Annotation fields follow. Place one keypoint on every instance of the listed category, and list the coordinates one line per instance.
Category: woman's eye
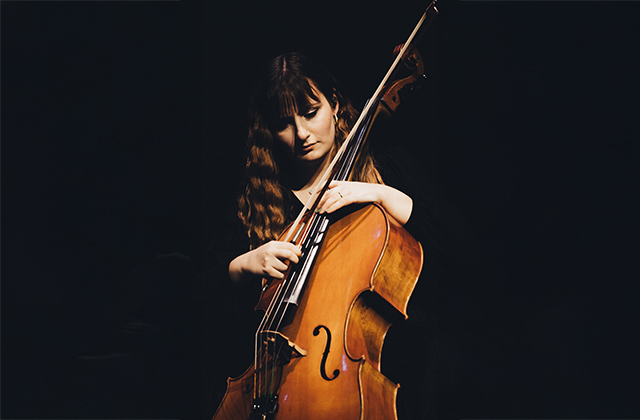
(311, 114)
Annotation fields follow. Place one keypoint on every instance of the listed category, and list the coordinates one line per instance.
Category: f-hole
(325, 354)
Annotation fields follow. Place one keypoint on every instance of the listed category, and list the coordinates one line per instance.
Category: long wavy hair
(286, 84)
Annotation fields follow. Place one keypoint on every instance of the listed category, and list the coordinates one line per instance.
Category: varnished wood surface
(351, 265)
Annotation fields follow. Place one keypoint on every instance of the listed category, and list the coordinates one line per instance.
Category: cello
(318, 347)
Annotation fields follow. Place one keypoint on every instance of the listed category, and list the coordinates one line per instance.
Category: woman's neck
(309, 177)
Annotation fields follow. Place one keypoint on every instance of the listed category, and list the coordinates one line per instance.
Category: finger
(274, 268)
(330, 198)
(279, 265)
(288, 255)
(293, 248)
(337, 205)
(322, 203)
(336, 202)
(289, 251)
(284, 252)
(330, 193)
(273, 273)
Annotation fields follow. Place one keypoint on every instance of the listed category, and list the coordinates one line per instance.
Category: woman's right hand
(268, 260)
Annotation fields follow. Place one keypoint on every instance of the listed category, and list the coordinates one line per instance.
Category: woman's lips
(306, 148)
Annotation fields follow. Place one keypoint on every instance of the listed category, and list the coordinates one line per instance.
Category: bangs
(289, 96)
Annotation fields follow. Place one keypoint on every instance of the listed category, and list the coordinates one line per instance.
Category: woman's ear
(335, 104)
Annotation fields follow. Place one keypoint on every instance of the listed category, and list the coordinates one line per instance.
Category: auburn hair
(286, 84)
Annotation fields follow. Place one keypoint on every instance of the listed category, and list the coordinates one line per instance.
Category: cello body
(365, 273)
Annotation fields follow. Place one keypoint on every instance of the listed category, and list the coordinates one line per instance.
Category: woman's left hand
(343, 193)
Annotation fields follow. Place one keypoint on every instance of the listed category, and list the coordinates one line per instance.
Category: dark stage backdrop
(122, 125)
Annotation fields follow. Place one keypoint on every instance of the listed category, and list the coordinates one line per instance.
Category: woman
(298, 120)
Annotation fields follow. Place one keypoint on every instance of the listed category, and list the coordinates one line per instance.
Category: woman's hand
(268, 260)
(342, 193)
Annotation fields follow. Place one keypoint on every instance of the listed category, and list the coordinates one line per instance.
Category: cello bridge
(279, 347)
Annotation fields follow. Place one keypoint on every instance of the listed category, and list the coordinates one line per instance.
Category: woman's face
(309, 135)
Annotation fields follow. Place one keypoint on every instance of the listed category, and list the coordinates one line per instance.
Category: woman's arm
(268, 260)
(341, 193)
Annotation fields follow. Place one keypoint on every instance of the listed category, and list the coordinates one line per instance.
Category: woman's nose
(302, 131)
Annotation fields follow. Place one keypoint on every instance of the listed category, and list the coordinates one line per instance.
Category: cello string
(269, 309)
(274, 361)
(260, 355)
(352, 153)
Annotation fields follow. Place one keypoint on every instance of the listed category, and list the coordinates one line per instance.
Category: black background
(122, 125)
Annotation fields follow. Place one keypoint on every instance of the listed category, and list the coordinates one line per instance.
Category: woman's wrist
(236, 271)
